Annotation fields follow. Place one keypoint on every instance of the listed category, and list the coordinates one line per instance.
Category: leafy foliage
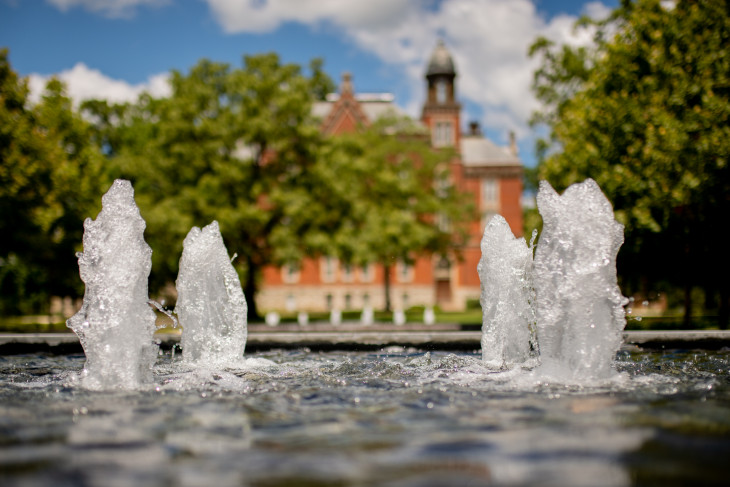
(50, 179)
(234, 145)
(646, 114)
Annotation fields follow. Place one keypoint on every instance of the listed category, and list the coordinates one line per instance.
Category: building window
(290, 274)
(443, 223)
(442, 186)
(347, 274)
(443, 268)
(404, 299)
(490, 194)
(443, 134)
(441, 91)
(404, 271)
(291, 303)
(367, 274)
(330, 301)
(348, 301)
(365, 300)
(328, 267)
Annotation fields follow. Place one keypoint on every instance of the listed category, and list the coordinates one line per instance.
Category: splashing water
(115, 324)
(507, 296)
(211, 305)
(580, 312)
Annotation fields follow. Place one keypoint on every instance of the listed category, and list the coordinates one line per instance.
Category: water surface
(398, 417)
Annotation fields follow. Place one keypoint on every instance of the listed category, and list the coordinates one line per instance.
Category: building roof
(373, 105)
(477, 150)
(441, 61)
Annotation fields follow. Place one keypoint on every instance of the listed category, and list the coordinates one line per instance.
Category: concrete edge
(365, 340)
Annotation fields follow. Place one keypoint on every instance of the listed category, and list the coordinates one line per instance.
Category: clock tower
(441, 110)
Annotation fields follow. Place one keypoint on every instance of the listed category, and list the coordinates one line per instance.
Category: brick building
(492, 174)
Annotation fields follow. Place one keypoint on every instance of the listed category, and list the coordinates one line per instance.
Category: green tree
(50, 180)
(646, 114)
(234, 145)
(241, 146)
(400, 201)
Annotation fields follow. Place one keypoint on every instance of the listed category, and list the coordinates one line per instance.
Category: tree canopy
(50, 177)
(646, 113)
(236, 145)
(239, 145)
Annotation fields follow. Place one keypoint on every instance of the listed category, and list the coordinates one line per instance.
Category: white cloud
(83, 83)
(488, 39)
(596, 10)
(109, 8)
(267, 15)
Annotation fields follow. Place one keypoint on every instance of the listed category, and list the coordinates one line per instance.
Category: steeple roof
(441, 61)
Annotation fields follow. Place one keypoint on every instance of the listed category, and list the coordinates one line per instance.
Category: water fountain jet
(580, 308)
(115, 323)
(569, 292)
(211, 305)
(507, 296)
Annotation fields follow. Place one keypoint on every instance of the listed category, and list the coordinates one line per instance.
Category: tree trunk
(687, 321)
(724, 314)
(386, 279)
(249, 291)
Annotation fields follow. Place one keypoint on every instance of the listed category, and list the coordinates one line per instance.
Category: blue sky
(117, 48)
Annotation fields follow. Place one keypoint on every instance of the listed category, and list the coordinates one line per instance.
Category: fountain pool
(121, 415)
(397, 417)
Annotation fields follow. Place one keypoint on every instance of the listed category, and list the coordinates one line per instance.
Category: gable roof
(360, 108)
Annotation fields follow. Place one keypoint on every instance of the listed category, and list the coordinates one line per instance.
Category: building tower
(441, 110)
